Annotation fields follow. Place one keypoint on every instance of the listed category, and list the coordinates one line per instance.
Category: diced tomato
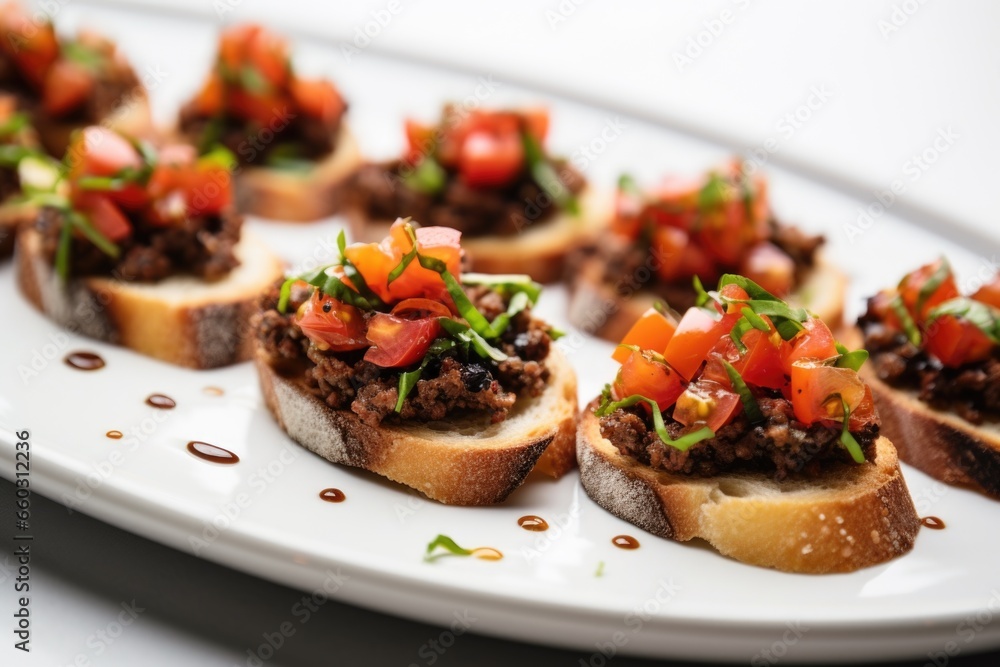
(881, 307)
(398, 341)
(652, 331)
(261, 108)
(668, 247)
(864, 414)
(706, 403)
(29, 43)
(956, 341)
(642, 374)
(317, 98)
(815, 341)
(210, 189)
(98, 151)
(210, 99)
(536, 122)
(172, 170)
(697, 333)
(913, 283)
(675, 202)
(815, 388)
(488, 159)
(268, 54)
(331, 324)
(760, 365)
(989, 293)
(734, 293)
(420, 308)
(376, 261)
(233, 45)
(67, 86)
(723, 232)
(770, 267)
(419, 140)
(104, 216)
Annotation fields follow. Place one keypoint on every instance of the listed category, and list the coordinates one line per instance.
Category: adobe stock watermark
(900, 15)
(966, 632)
(772, 654)
(912, 171)
(786, 127)
(712, 28)
(365, 34)
(634, 622)
(432, 650)
(561, 13)
(102, 639)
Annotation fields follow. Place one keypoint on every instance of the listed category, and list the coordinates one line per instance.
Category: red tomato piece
(815, 387)
(209, 190)
(864, 414)
(722, 231)
(211, 98)
(652, 331)
(881, 307)
(668, 247)
(317, 98)
(331, 324)
(105, 216)
(913, 283)
(815, 341)
(268, 54)
(989, 293)
(398, 341)
(419, 140)
(67, 86)
(696, 334)
(233, 45)
(420, 308)
(761, 365)
(98, 151)
(770, 267)
(956, 341)
(31, 44)
(643, 375)
(488, 159)
(536, 123)
(706, 403)
(265, 109)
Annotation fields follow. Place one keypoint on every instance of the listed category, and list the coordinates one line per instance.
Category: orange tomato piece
(770, 267)
(706, 403)
(815, 387)
(31, 44)
(652, 331)
(696, 335)
(317, 98)
(209, 189)
(210, 100)
(956, 341)
(267, 52)
(643, 375)
(989, 293)
(331, 324)
(815, 342)
(913, 283)
(67, 86)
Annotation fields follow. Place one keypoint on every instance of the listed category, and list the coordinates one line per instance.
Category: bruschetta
(395, 361)
(142, 248)
(287, 132)
(936, 374)
(746, 424)
(486, 174)
(660, 239)
(66, 84)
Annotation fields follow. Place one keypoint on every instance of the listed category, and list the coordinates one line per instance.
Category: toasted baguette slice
(940, 443)
(539, 251)
(281, 194)
(854, 517)
(181, 320)
(597, 308)
(459, 462)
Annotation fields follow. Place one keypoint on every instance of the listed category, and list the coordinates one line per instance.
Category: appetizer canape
(142, 248)
(67, 84)
(288, 132)
(394, 361)
(17, 141)
(746, 424)
(661, 239)
(486, 174)
(936, 374)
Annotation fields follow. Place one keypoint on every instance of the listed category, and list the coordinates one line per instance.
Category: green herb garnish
(932, 284)
(846, 439)
(13, 125)
(546, 177)
(449, 546)
(848, 359)
(507, 284)
(408, 380)
(983, 316)
(682, 443)
(714, 193)
(746, 396)
(909, 326)
(427, 177)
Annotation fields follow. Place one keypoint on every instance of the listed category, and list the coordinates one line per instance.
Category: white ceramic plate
(264, 515)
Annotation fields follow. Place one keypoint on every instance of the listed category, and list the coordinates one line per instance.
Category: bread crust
(12, 217)
(941, 444)
(854, 517)
(279, 194)
(539, 251)
(459, 462)
(598, 308)
(180, 320)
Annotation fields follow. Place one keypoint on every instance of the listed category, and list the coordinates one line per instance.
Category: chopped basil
(102, 183)
(746, 396)
(518, 302)
(848, 359)
(703, 297)
(94, 236)
(682, 443)
(546, 177)
(449, 546)
(357, 279)
(13, 125)
(712, 194)
(741, 328)
(628, 184)
(62, 252)
(427, 177)
(555, 333)
(846, 439)
(211, 135)
(253, 81)
(11, 155)
(466, 335)
(909, 326)
(983, 316)
(408, 380)
(507, 284)
(84, 55)
(296, 165)
(755, 291)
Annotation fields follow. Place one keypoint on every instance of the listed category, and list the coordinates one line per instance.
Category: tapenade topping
(742, 380)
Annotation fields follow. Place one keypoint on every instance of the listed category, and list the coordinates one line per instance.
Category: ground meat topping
(380, 192)
(448, 385)
(972, 390)
(200, 246)
(780, 445)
